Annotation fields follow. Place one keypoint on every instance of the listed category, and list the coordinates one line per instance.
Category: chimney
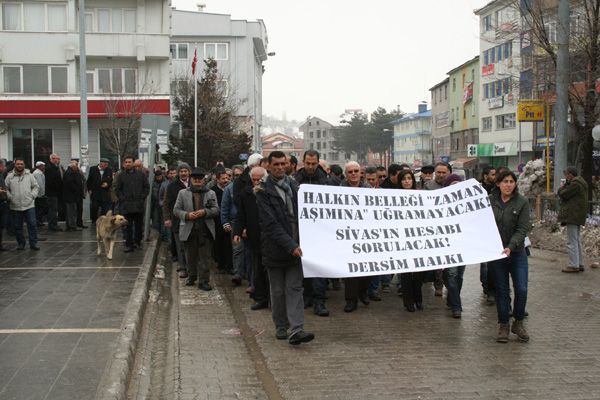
(422, 107)
(201, 7)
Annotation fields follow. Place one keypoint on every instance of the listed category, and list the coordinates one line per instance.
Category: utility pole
(84, 150)
(563, 69)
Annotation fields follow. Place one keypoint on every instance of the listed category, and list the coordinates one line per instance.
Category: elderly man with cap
(197, 206)
(40, 200)
(99, 182)
(426, 175)
(180, 182)
(573, 194)
(72, 193)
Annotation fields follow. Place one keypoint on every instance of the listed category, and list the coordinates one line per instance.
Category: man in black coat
(72, 192)
(54, 190)
(314, 288)
(246, 225)
(99, 182)
(180, 182)
(132, 189)
(277, 200)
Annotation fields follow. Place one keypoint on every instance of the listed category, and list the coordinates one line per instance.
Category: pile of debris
(550, 235)
(532, 180)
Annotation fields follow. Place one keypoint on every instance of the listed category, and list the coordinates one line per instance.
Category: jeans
(53, 212)
(315, 290)
(574, 245)
(453, 278)
(29, 217)
(377, 280)
(287, 306)
(516, 266)
(239, 266)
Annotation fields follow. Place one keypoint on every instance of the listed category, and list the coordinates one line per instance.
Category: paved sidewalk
(381, 351)
(61, 310)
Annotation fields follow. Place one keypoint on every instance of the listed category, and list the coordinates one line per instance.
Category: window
(508, 49)
(318, 134)
(312, 146)
(216, 51)
(89, 22)
(35, 79)
(57, 17)
(311, 133)
(324, 133)
(486, 92)
(505, 121)
(318, 145)
(324, 145)
(11, 16)
(550, 28)
(487, 23)
(486, 124)
(454, 84)
(32, 144)
(58, 79)
(12, 79)
(499, 53)
(179, 51)
(507, 86)
(103, 20)
(486, 58)
(446, 92)
(464, 112)
(129, 23)
(116, 80)
(34, 17)
(90, 81)
(492, 55)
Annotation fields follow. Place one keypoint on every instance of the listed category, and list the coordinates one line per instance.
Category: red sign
(468, 93)
(487, 70)
(53, 109)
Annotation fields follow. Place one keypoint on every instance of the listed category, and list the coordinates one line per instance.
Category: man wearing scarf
(277, 205)
(196, 207)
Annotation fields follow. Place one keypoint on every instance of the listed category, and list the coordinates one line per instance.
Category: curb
(115, 379)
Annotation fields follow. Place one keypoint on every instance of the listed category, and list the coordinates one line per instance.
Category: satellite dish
(596, 132)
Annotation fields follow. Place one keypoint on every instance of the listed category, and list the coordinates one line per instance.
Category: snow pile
(532, 180)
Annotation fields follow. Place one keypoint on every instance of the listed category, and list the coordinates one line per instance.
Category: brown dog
(107, 227)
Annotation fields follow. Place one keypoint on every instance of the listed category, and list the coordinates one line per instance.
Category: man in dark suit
(53, 174)
(99, 182)
(72, 193)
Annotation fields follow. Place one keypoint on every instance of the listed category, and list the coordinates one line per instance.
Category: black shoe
(128, 250)
(364, 299)
(281, 333)
(34, 248)
(259, 305)
(321, 310)
(204, 286)
(374, 297)
(350, 306)
(419, 306)
(581, 268)
(301, 337)
(410, 308)
(191, 281)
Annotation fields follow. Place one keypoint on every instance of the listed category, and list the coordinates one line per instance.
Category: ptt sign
(530, 111)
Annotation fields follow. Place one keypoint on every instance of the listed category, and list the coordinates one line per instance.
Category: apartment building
(319, 135)
(502, 142)
(127, 46)
(240, 49)
(412, 138)
(440, 121)
(464, 111)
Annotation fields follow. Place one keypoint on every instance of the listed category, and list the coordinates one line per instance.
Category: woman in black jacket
(511, 212)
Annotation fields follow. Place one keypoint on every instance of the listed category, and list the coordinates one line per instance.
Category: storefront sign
(496, 102)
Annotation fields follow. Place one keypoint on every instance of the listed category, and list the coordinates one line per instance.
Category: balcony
(140, 46)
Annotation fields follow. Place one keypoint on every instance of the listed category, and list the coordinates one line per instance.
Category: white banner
(351, 232)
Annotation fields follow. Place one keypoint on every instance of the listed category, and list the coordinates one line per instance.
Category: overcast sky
(337, 54)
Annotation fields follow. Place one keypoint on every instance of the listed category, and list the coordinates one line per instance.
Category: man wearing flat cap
(196, 207)
(573, 194)
(99, 182)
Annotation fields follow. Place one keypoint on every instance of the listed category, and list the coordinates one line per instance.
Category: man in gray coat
(196, 207)
(22, 189)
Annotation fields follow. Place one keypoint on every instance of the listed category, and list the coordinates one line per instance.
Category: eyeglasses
(354, 171)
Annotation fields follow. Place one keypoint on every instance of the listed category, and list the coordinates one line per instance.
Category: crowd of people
(245, 220)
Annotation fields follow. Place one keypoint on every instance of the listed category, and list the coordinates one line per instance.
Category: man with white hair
(53, 185)
(40, 200)
(355, 288)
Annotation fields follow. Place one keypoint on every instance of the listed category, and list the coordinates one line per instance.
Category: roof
(461, 66)
(408, 117)
(491, 5)
(439, 84)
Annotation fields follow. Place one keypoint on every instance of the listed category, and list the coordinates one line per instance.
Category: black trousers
(411, 283)
(222, 250)
(134, 228)
(95, 204)
(356, 287)
(260, 277)
(80, 212)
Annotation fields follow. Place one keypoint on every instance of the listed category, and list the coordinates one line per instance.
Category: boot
(503, 331)
(519, 330)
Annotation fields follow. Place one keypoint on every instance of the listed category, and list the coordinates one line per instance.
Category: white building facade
(319, 135)
(412, 138)
(127, 46)
(238, 46)
(502, 142)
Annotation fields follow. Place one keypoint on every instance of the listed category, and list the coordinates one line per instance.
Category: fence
(546, 207)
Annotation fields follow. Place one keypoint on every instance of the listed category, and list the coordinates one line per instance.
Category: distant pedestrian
(54, 176)
(41, 209)
(278, 215)
(22, 189)
(99, 182)
(574, 206)
(197, 206)
(72, 193)
(132, 189)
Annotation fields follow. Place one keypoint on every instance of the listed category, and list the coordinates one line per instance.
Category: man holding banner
(277, 203)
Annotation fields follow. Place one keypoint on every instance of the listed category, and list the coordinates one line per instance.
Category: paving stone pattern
(64, 285)
(381, 351)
